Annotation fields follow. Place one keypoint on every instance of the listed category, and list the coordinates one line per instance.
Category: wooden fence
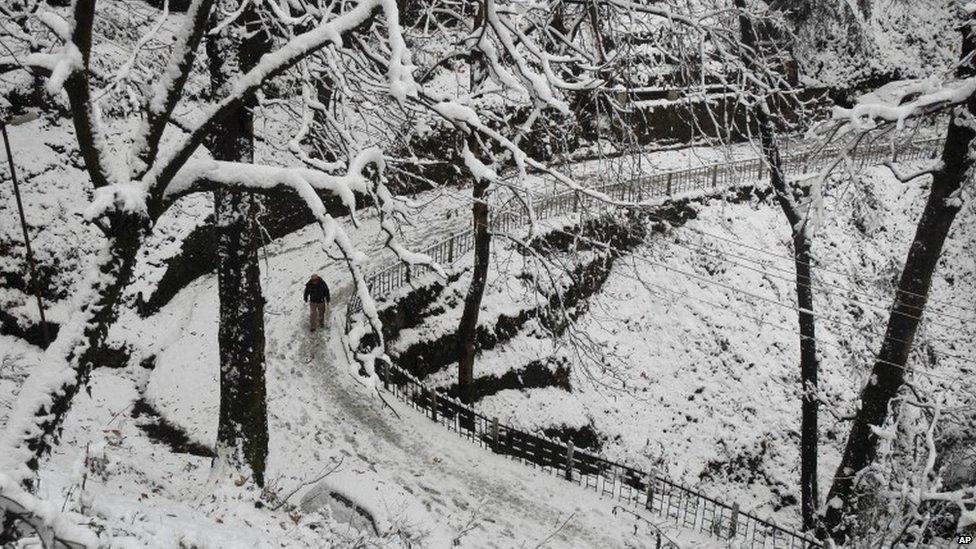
(676, 503)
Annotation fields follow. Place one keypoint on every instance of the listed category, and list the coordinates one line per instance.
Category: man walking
(316, 295)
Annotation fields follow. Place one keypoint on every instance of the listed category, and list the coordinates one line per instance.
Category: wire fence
(683, 506)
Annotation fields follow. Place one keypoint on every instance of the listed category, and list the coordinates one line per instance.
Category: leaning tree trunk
(888, 375)
(788, 200)
(466, 332)
(242, 430)
(31, 435)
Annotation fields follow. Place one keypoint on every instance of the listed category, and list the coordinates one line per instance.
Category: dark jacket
(317, 291)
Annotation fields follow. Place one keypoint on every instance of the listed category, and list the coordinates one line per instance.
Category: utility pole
(35, 283)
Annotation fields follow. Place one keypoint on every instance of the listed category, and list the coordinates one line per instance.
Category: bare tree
(467, 326)
(736, 65)
(794, 199)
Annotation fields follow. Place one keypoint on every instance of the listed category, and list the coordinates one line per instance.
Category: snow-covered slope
(55, 191)
(690, 361)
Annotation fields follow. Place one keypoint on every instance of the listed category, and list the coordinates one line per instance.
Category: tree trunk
(468, 325)
(809, 366)
(888, 375)
(242, 431)
(95, 318)
(472, 301)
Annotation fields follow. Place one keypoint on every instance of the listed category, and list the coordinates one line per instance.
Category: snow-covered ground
(420, 481)
(696, 372)
(681, 395)
(55, 191)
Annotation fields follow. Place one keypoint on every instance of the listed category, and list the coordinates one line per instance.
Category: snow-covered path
(407, 467)
(401, 466)
(413, 475)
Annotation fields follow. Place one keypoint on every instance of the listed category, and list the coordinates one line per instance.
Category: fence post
(494, 434)
(658, 544)
(650, 491)
(450, 250)
(669, 183)
(714, 176)
(894, 155)
(569, 461)
(734, 527)
(386, 375)
(408, 274)
(433, 404)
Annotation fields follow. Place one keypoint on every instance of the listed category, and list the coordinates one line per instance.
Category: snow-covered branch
(270, 65)
(53, 526)
(70, 70)
(896, 102)
(167, 90)
(209, 175)
(911, 176)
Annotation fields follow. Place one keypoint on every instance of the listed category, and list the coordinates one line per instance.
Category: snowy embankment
(55, 190)
(690, 359)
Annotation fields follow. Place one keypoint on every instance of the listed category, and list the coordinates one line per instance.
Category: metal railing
(684, 506)
(714, 177)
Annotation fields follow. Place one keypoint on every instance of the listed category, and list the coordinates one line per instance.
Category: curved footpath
(410, 475)
(418, 472)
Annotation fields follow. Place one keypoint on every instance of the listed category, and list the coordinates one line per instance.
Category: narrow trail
(419, 476)
(509, 503)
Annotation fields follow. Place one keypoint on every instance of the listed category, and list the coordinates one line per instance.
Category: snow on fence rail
(684, 506)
